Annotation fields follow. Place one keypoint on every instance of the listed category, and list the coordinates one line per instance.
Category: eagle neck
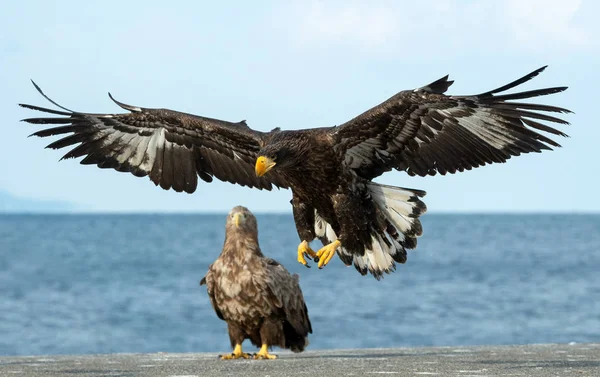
(241, 245)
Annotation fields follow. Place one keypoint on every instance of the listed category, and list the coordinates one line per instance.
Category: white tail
(399, 209)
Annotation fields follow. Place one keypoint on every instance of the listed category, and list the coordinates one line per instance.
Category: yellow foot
(236, 354)
(305, 251)
(327, 252)
(264, 354)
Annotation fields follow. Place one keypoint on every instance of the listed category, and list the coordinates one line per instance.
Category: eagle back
(240, 290)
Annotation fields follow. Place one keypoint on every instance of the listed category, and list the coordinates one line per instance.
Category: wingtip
(538, 71)
(37, 87)
(439, 86)
(124, 105)
(47, 98)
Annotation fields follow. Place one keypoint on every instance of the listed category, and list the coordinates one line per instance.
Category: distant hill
(13, 204)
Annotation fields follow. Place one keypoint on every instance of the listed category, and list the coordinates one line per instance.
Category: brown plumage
(255, 295)
(329, 170)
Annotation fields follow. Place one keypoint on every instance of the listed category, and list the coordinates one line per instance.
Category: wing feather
(425, 132)
(209, 280)
(286, 291)
(171, 147)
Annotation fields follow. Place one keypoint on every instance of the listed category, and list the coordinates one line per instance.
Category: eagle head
(241, 218)
(286, 150)
(264, 164)
(271, 155)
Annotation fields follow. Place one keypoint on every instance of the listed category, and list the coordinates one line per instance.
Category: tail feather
(294, 341)
(399, 209)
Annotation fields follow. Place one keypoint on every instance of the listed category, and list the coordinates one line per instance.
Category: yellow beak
(236, 219)
(263, 165)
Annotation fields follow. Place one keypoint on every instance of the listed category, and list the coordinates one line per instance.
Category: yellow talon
(237, 354)
(327, 252)
(264, 354)
(305, 251)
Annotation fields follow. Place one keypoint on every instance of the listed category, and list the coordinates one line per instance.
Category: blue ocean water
(73, 284)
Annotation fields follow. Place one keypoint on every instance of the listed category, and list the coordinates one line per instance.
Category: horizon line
(179, 213)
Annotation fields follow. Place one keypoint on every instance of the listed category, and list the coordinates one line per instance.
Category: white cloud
(354, 21)
(521, 23)
(545, 21)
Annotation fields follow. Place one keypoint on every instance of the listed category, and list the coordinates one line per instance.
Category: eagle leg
(236, 354)
(264, 354)
(304, 251)
(327, 252)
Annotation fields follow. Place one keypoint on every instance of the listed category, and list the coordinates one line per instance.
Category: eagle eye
(281, 154)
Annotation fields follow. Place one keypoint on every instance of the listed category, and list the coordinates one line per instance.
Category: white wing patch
(156, 142)
(140, 151)
(484, 126)
(123, 146)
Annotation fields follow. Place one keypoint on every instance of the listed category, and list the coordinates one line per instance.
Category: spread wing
(425, 132)
(170, 147)
(285, 293)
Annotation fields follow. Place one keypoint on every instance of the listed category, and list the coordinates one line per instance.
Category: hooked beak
(263, 165)
(236, 219)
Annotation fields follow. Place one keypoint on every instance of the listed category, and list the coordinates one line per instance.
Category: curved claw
(304, 251)
(327, 252)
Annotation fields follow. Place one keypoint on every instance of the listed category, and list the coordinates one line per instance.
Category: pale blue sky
(294, 65)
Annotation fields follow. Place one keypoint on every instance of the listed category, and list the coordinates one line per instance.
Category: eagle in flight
(255, 295)
(329, 170)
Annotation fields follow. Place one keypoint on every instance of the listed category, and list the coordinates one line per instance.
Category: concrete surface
(530, 360)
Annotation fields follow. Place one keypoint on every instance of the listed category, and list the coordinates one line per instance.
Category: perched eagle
(255, 295)
(329, 170)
